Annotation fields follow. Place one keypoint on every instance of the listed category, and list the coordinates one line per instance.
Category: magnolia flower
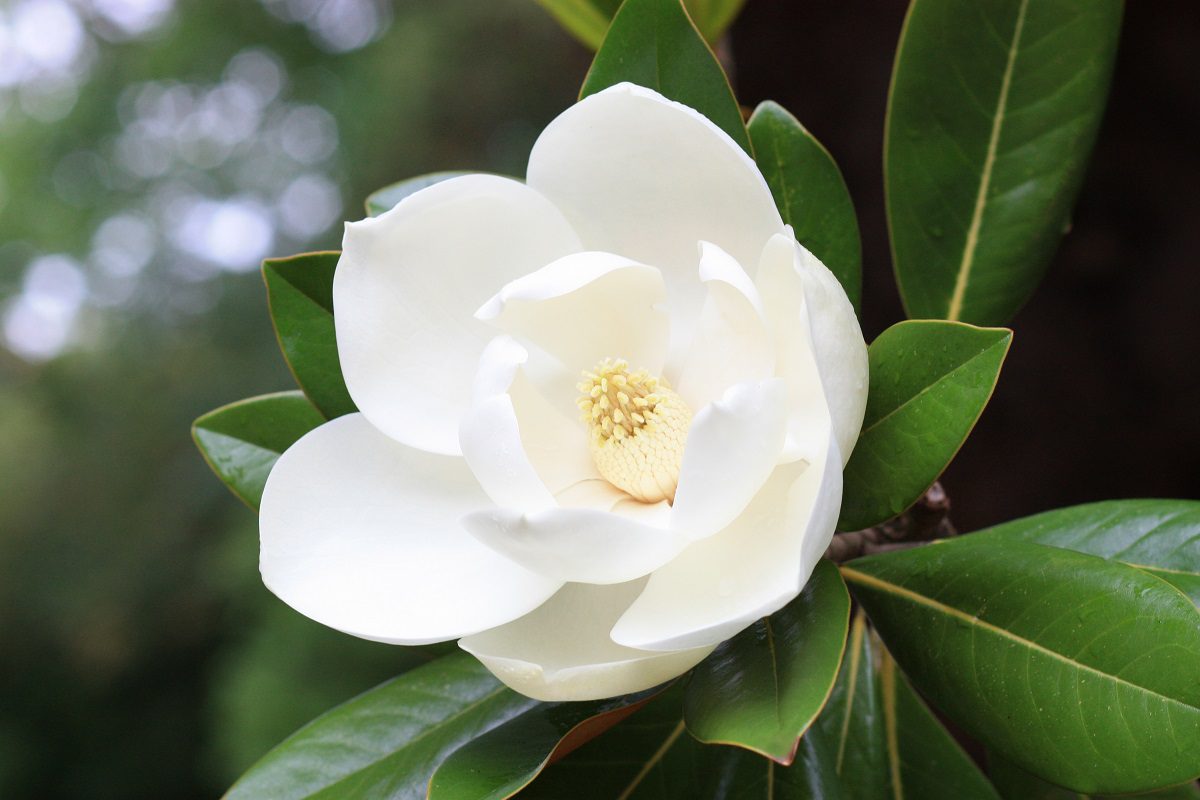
(604, 412)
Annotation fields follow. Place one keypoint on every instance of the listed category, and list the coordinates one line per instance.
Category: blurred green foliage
(141, 656)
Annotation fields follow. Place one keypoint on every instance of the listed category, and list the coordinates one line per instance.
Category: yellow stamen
(637, 427)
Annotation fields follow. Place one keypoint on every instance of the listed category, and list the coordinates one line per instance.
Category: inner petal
(637, 429)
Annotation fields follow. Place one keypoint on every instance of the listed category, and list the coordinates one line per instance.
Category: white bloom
(604, 413)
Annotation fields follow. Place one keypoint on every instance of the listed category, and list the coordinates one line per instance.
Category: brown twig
(928, 519)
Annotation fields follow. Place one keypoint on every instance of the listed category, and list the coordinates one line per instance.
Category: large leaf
(386, 198)
(852, 721)
(993, 109)
(809, 190)
(504, 760)
(1159, 536)
(651, 757)
(243, 440)
(300, 295)
(388, 741)
(1015, 783)
(1079, 669)
(588, 20)
(764, 687)
(653, 43)
(929, 383)
(924, 761)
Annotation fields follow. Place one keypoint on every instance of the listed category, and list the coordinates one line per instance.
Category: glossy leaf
(1015, 783)
(852, 721)
(386, 198)
(243, 440)
(924, 761)
(763, 688)
(653, 43)
(929, 383)
(993, 109)
(388, 741)
(588, 20)
(300, 295)
(650, 756)
(1159, 536)
(1078, 669)
(809, 190)
(504, 760)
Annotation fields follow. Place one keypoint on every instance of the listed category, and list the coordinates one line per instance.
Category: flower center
(637, 428)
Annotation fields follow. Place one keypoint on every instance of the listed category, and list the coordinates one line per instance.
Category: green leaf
(1159, 536)
(588, 20)
(992, 113)
(300, 296)
(852, 721)
(386, 742)
(1081, 670)
(654, 44)
(809, 190)
(1015, 783)
(929, 383)
(650, 757)
(243, 440)
(924, 761)
(763, 688)
(386, 198)
(507, 758)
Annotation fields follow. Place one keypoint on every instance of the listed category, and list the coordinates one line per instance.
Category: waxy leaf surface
(930, 381)
(300, 295)
(1080, 670)
(387, 742)
(993, 109)
(243, 440)
(809, 190)
(503, 761)
(1159, 536)
(763, 688)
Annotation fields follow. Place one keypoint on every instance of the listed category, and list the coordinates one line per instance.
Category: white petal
(406, 289)
(732, 448)
(582, 544)
(751, 569)
(362, 534)
(790, 277)
(562, 650)
(645, 177)
(732, 343)
(586, 307)
(521, 448)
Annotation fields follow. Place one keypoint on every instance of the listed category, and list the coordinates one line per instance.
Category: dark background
(140, 655)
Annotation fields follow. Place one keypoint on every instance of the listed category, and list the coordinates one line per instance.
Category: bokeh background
(152, 152)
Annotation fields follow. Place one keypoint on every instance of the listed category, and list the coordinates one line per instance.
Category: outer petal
(582, 544)
(790, 277)
(645, 177)
(586, 307)
(361, 534)
(562, 650)
(406, 288)
(731, 343)
(751, 569)
(732, 448)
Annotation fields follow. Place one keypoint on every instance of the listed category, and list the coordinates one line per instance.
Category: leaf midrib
(963, 276)
(853, 575)
(930, 387)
